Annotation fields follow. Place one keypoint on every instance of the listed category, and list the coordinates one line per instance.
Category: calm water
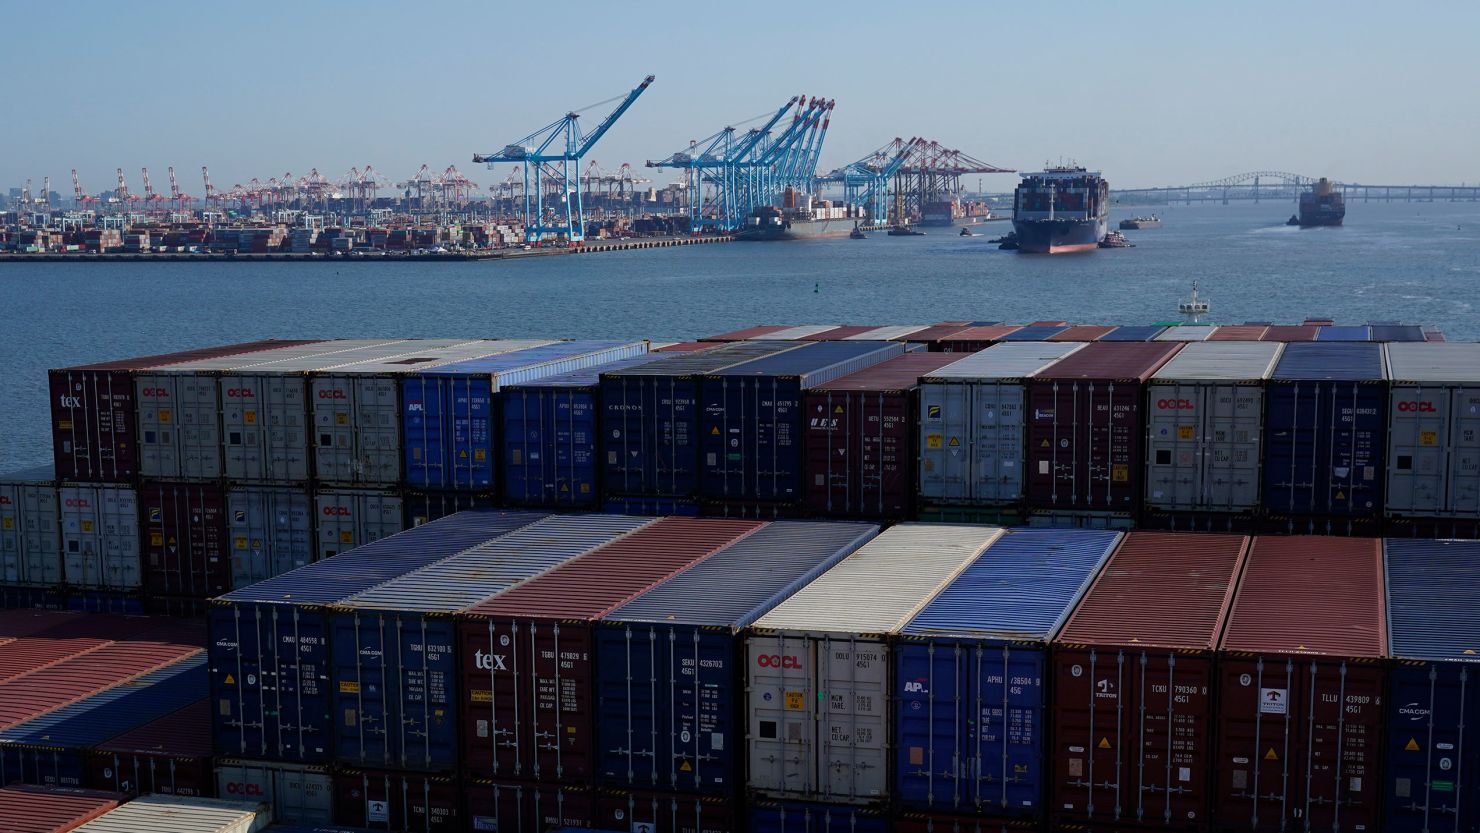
(1415, 262)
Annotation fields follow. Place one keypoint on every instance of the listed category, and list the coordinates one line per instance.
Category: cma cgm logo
(339, 511)
(489, 662)
(77, 503)
(240, 393)
(237, 788)
(154, 392)
(1416, 407)
(777, 661)
(331, 394)
(1174, 404)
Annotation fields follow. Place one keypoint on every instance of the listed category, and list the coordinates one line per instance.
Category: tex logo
(489, 661)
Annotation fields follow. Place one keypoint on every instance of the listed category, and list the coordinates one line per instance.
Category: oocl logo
(777, 661)
(77, 503)
(239, 788)
(154, 392)
(1174, 404)
(1416, 407)
(239, 393)
(331, 394)
(337, 511)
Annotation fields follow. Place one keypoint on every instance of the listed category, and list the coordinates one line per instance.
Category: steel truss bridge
(1283, 186)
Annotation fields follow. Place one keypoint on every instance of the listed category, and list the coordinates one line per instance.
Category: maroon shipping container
(26, 809)
(73, 635)
(974, 339)
(686, 347)
(1083, 332)
(1283, 332)
(93, 417)
(17, 623)
(527, 693)
(1086, 426)
(501, 806)
(748, 333)
(1239, 332)
(859, 443)
(183, 534)
(931, 336)
(840, 333)
(1300, 715)
(666, 812)
(171, 755)
(404, 802)
(911, 822)
(1133, 685)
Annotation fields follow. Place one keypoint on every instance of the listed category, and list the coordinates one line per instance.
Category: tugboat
(1194, 305)
(857, 233)
(1293, 221)
(1007, 242)
(1116, 240)
(966, 232)
(904, 231)
(1138, 223)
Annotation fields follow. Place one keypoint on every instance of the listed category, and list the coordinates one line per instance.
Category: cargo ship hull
(1059, 236)
(942, 222)
(802, 230)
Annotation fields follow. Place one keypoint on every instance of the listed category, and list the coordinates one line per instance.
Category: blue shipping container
(650, 419)
(1433, 749)
(449, 415)
(1359, 332)
(1325, 430)
(425, 507)
(269, 643)
(1039, 333)
(1396, 332)
(50, 750)
(970, 669)
(551, 439)
(104, 601)
(751, 422)
(394, 673)
(651, 506)
(1129, 333)
(815, 818)
(669, 673)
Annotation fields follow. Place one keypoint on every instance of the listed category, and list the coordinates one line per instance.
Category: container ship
(955, 213)
(1322, 205)
(800, 218)
(1060, 209)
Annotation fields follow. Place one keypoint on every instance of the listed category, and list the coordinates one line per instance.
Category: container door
(30, 536)
(347, 519)
(270, 532)
(997, 442)
(422, 413)
(1092, 730)
(830, 454)
(728, 425)
(335, 452)
(558, 713)
(1464, 456)
(1434, 721)
(1180, 442)
(526, 450)
(423, 733)
(627, 435)
(945, 471)
(1260, 767)
(270, 683)
(1232, 451)
(699, 743)
(469, 412)
(1171, 745)
(159, 437)
(1341, 745)
(1358, 446)
(934, 712)
(94, 421)
(397, 801)
(495, 688)
(1418, 425)
(1055, 476)
(377, 420)
(630, 698)
(100, 531)
(1006, 743)
(782, 714)
(364, 681)
(853, 733)
(300, 795)
(185, 543)
(778, 441)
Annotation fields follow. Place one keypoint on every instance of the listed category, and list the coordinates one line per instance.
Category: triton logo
(1174, 404)
(240, 393)
(777, 661)
(71, 401)
(331, 394)
(337, 511)
(154, 392)
(489, 662)
(1416, 407)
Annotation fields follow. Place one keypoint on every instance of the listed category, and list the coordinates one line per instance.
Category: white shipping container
(1186, 332)
(349, 518)
(795, 333)
(819, 696)
(100, 536)
(270, 530)
(178, 814)
(298, 794)
(1204, 425)
(1433, 452)
(973, 419)
(30, 529)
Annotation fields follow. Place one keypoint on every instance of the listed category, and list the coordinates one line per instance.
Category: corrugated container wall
(1433, 417)
(819, 697)
(183, 533)
(170, 756)
(1301, 686)
(422, 507)
(1325, 430)
(297, 793)
(403, 802)
(860, 436)
(30, 529)
(100, 537)
(451, 413)
(1134, 685)
(746, 334)
(670, 680)
(1433, 705)
(349, 518)
(1205, 414)
(973, 422)
(1186, 332)
(172, 813)
(270, 532)
(796, 817)
(971, 675)
(1035, 332)
(28, 809)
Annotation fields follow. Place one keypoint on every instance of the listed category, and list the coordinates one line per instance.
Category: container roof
(796, 332)
(175, 814)
(1340, 361)
(1082, 332)
(532, 356)
(1006, 361)
(1293, 332)
(304, 350)
(1186, 332)
(184, 356)
(1433, 592)
(1111, 360)
(96, 718)
(747, 333)
(984, 332)
(1452, 362)
(1360, 332)
(1035, 332)
(420, 358)
(895, 332)
(814, 357)
(899, 373)
(1239, 332)
(1133, 333)
(586, 376)
(1218, 361)
(707, 361)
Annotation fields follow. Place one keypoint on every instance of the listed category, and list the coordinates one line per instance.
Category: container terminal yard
(784, 578)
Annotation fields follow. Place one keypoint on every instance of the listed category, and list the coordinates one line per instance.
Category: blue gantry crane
(866, 182)
(551, 160)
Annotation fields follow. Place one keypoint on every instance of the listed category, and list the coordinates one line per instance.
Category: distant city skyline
(1149, 93)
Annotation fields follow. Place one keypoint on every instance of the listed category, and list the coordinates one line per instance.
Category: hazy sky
(1150, 93)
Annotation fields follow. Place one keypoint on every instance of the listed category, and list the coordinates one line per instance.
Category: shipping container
(974, 339)
(819, 697)
(269, 651)
(656, 506)
(1087, 427)
(1186, 332)
(1082, 332)
(973, 423)
(423, 507)
(170, 755)
(450, 413)
(971, 675)
(666, 812)
(839, 333)
(269, 530)
(746, 334)
(349, 518)
(797, 817)
(58, 636)
(28, 809)
(650, 419)
(1344, 333)
(670, 679)
(1301, 686)
(681, 347)
(1298, 332)
(1205, 415)
(403, 802)
(893, 332)
(1389, 332)
(860, 436)
(183, 535)
(175, 813)
(1035, 332)
(297, 792)
(30, 529)
(394, 646)
(796, 333)
(500, 807)
(100, 536)
(94, 415)
(1325, 430)
(51, 749)
(1433, 441)
(917, 822)
(551, 441)
(932, 335)
(1239, 332)
(1433, 705)
(527, 678)
(1133, 333)
(1133, 692)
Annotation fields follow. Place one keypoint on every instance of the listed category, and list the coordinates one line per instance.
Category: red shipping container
(507, 806)
(527, 693)
(73, 635)
(931, 336)
(666, 812)
(1133, 685)
(686, 347)
(183, 534)
(1239, 332)
(17, 623)
(171, 756)
(1083, 332)
(1300, 715)
(839, 333)
(93, 417)
(748, 333)
(860, 437)
(974, 339)
(1299, 332)
(403, 802)
(1086, 426)
(943, 823)
(26, 809)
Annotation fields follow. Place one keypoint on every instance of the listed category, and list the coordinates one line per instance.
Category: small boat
(1194, 305)
(1116, 240)
(1136, 223)
(857, 234)
(1293, 221)
(904, 231)
(1007, 242)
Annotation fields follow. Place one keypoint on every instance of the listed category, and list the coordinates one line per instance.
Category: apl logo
(1174, 404)
(414, 407)
(154, 392)
(489, 662)
(777, 661)
(1416, 407)
(239, 788)
(331, 394)
(337, 511)
(239, 393)
(913, 687)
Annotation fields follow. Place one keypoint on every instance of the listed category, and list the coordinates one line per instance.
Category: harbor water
(1414, 262)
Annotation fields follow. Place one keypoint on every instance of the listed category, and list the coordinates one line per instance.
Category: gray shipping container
(1205, 420)
(100, 536)
(270, 531)
(30, 529)
(299, 794)
(178, 814)
(349, 518)
(972, 423)
(1186, 332)
(1433, 429)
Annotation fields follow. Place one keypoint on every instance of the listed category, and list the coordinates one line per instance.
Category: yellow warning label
(585, 488)
(1470, 651)
(156, 539)
(1104, 743)
(87, 526)
(8, 523)
(955, 442)
(349, 687)
(481, 695)
(231, 679)
(462, 455)
(1270, 755)
(714, 432)
(480, 454)
(164, 416)
(932, 441)
(685, 767)
(838, 409)
(346, 537)
(564, 487)
(570, 730)
(1044, 444)
(1184, 432)
(1120, 473)
(1412, 745)
(240, 542)
(341, 419)
(795, 701)
(249, 417)
(1340, 495)
(1429, 438)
